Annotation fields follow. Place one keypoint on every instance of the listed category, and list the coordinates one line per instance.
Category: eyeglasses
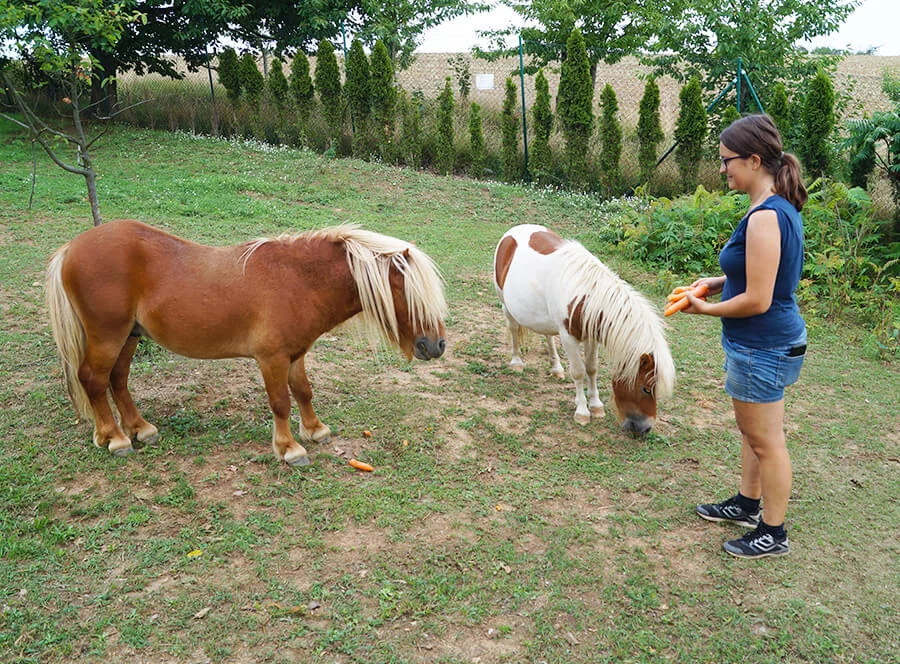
(725, 160)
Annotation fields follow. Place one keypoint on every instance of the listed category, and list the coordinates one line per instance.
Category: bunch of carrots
(677, 299)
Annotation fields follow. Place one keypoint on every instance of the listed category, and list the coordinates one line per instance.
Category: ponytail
(789, 181)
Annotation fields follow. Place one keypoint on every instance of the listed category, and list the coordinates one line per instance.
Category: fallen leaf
(202, 612)
(194, 553)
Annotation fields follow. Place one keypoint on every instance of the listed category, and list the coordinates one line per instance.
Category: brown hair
(757, 134)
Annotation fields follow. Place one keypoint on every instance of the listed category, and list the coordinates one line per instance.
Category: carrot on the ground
(361, 465)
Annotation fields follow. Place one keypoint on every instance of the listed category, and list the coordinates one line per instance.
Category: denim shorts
(756, 375)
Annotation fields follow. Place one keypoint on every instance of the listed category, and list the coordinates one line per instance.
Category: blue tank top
(782, 324)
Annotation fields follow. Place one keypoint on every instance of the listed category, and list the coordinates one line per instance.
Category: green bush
(476, 141)
(384, 99)
(542, 127)
(649, 130)
(301, 86)
(252, 81)
(574, 106)
(328, 87)
(509, 129)
(446, 154)
(818, 126)
(277, 83)
(610, 142)
(690, 132)
(229, 72)
(357, 89)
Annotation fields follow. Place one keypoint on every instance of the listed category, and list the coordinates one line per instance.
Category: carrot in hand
(361, 465)
(682, 302)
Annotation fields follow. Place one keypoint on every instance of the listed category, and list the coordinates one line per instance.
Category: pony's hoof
(149, 436)
(598, 411)
(122, 450)
(558, 375)
(297, 461)
(322, 435)
(582, 419)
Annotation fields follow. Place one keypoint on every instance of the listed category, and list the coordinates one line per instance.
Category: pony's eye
(647, 391)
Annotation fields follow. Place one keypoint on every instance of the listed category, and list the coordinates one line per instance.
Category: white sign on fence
(484, 81)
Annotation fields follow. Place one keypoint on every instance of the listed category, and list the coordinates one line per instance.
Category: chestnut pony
(554, 286)
(268, 299)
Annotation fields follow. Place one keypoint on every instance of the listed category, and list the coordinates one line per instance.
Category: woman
(763, 334)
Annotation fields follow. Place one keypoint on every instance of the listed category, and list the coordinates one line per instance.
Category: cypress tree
(446, 154)
(649, 130)
(818, 125)
(252, 80)
(277, 83)
(328, 87)
(384, 97)
(574, 103)
(229, 72)
(610, 141)
(411, 125)
(358, 91)
(779, 110)
(302, 86)
(476, 140)
(509, 126)
(542, 121)
(690, 132)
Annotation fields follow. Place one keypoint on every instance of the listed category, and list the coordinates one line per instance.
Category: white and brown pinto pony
(557, 287)
(267, 299)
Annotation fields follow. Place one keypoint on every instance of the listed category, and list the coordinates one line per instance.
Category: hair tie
(781, 156)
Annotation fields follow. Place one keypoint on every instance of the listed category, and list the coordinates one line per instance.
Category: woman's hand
(698, 306)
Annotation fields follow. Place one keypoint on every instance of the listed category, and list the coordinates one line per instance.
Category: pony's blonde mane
(370, 256)
(618, 316)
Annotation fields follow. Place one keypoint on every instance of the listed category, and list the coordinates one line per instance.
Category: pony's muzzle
(637, 425)
(427, 348)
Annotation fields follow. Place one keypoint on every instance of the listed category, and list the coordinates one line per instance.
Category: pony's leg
(99, 359)
(556, 368)
(576, 368)
(311, 427)
(275, 376)
(135, 426)
(516, 362)
(595, 405)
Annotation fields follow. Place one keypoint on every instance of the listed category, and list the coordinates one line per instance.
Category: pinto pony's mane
(370, 257)
(623, 320)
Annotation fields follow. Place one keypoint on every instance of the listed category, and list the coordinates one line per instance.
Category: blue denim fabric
(756, 375)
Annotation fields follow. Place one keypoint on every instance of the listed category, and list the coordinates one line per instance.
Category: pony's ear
(647, 362)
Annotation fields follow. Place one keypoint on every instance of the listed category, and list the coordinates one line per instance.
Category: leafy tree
(276, 82)
(357, 89)
(252, 81)
(818, 125)
(384, 97)
(463, 70)
(542, 121)
(54, 34)
(476, 140)
(610, 30)
(690, 132)
(446, 154)
(301, 85)
(649, 130)
(574, 102)
(705, 38)
(399, 24)
(509, 127)
(328, 87)
(229, 71)
(610, 141)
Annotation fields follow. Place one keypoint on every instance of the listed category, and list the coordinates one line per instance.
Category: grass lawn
(494, 529)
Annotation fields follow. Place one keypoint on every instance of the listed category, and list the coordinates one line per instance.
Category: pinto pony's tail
(68, 333)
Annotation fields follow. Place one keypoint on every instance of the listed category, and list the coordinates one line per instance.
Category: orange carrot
(683, 302)
(360, 465)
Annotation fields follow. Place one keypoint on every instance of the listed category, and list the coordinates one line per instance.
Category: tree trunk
(104, 93)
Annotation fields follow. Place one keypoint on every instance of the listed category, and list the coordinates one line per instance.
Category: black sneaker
(757, 544)
(729, 510)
